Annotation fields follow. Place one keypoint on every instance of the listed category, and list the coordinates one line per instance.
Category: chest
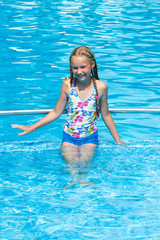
(84, 94)
(87, 103)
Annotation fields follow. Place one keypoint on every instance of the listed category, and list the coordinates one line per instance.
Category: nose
(79, 71)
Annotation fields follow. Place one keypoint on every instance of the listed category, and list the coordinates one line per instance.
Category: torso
(81, 111)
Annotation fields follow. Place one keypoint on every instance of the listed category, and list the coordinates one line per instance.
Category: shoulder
(66, 81)
(102, 87)
(66, 86)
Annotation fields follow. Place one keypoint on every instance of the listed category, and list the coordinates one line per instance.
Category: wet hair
(85, 51)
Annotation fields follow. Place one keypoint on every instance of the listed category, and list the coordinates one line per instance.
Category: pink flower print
(77, 135)
(85, 104)
(79, 119)
(73, 124)
(80, 105)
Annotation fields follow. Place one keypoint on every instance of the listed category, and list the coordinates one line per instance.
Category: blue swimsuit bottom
(93, 138)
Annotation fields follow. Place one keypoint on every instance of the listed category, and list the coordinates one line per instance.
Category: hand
(25, 129)
(120, 142)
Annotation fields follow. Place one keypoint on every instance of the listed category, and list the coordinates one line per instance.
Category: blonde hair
(85, 51)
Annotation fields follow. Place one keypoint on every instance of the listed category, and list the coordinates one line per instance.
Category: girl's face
(81, 68)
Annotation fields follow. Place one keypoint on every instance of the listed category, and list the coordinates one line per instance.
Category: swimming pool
(36, 43)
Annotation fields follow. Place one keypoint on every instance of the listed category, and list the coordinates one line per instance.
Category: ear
(93, 64)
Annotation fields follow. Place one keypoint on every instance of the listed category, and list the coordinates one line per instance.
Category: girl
(85, 95)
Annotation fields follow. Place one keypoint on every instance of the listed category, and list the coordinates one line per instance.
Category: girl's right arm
(50, 117)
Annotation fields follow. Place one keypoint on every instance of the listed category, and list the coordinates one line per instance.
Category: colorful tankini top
(81, 116)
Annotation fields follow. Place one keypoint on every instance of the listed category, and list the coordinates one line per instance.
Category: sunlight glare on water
(37, 38)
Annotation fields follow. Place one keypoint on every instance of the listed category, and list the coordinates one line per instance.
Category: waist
(80, 130)
(93, 138)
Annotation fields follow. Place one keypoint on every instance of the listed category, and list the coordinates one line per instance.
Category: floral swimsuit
(81, 116)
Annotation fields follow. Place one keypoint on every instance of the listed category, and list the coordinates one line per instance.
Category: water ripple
(124, 38)
(124, 203)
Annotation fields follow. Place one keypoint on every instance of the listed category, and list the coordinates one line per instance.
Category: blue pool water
(37, 38)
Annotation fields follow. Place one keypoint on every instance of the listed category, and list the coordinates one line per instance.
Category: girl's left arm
(106, 116)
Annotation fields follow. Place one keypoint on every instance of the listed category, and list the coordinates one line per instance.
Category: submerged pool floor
(124, 204)
(37, 40)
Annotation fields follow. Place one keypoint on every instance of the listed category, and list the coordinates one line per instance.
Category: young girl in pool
(85, 96)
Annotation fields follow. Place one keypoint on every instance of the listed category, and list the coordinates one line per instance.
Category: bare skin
(78, 159)
(74, 154)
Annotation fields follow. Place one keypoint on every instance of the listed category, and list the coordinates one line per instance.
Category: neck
(85, 83)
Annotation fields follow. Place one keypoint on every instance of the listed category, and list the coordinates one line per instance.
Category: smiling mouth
(81, 76)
